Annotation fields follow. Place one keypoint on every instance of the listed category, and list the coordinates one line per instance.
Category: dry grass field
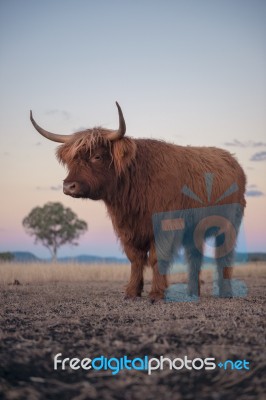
(79, 311)
(29, 273)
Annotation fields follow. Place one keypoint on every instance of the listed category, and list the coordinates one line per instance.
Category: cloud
(53, 187)
(254, 193)
(62, 113)
(261, 156)
(252, 186)
(235, 143)
(249, 143)
(58, 187)
(41, 188)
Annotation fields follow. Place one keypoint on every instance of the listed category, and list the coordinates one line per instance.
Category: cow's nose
(70, 187)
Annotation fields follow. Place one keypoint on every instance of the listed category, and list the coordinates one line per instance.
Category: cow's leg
(159, 280)
(224, 253)
(225, 271)
(138, 259)
(224, 261)
(194, 259)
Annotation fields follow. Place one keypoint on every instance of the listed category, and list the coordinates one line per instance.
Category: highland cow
(138, 178)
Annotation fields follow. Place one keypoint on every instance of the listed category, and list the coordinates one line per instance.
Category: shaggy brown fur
(139, 177)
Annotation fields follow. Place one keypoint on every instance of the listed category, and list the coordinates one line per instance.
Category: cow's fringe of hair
(86, 140)
(122, 151)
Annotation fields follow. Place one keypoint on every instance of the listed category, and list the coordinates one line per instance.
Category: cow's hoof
(193, 293)
(225, 289)
(226, 294)
(156, 297)
(132, 297)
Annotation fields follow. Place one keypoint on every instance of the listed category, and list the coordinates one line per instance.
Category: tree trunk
(54, 255)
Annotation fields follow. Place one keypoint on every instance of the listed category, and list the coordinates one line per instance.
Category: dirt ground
(92, 319)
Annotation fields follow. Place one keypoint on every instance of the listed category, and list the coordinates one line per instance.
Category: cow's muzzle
(71, 188)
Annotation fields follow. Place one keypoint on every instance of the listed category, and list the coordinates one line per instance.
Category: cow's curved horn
(49, 135)
(115, 135)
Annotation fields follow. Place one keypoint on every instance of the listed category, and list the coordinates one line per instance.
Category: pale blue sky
(192, 72)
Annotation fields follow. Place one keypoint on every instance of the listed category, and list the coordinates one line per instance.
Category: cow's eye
(97, 157)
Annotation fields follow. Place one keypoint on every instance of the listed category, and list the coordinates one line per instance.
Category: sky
(190, 72)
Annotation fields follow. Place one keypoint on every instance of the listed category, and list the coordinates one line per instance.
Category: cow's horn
(49, 135)
(115, 135)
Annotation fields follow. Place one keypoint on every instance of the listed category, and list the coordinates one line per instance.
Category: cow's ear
(124, 152)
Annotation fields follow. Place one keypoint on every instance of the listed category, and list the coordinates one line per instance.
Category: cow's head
(96, 158)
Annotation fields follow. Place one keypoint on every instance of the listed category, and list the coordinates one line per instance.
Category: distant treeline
(7, 256)
(256, 257)
(24, 256)
(27, 257)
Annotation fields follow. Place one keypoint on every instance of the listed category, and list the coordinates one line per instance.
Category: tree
(7, 256)
(53, 225)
